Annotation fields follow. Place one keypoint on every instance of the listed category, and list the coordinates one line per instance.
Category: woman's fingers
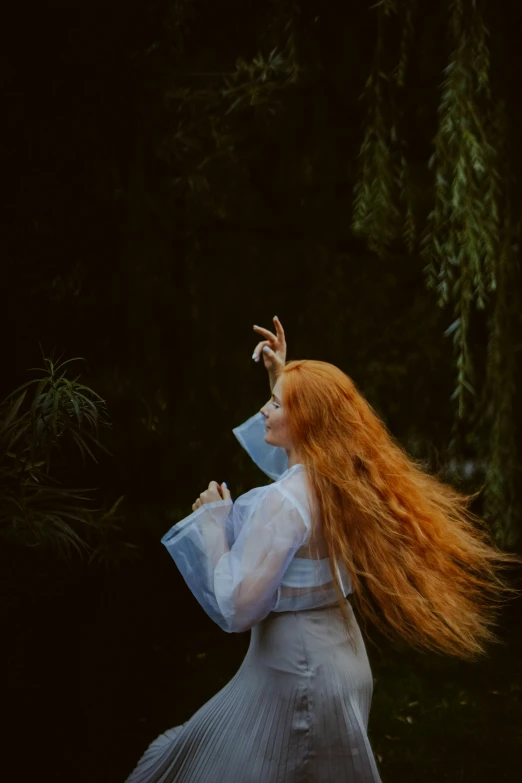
(275, 342)
(257, 350)
(225, 492)
(274, 338)
(279, 329)
(266, 332)
(209, 495)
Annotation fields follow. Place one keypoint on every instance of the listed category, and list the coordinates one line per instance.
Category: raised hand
(275, 357)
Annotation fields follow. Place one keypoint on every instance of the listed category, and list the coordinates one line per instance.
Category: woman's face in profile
(275, 418)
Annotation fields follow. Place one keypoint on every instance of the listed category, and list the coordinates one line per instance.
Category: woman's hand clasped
(214, 493)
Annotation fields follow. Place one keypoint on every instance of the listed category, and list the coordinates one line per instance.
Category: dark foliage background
(160, 196)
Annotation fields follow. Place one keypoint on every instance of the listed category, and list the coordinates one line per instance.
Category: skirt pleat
(296, 711)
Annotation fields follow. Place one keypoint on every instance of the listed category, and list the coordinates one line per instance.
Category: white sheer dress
(297, 709)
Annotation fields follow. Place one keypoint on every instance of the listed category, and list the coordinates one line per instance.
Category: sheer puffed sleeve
(233, 556)
(273, 460)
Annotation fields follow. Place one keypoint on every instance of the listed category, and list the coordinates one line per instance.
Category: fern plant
(35, 510)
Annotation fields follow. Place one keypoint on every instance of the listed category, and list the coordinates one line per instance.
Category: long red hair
(423, 567)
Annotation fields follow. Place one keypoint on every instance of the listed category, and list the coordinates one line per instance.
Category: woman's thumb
(225, 491)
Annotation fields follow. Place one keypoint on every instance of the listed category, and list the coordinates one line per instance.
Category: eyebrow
(275, 398)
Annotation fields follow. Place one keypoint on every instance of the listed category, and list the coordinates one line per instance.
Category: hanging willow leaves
(469, 252)
(499, 399)
(406, 7)
(461, 244)
(383, 209)
(503, 472)
(376, 215)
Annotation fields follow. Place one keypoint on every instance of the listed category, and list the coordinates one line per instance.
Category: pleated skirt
(296, 711)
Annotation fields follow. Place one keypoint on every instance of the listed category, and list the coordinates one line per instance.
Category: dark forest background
(172, 173)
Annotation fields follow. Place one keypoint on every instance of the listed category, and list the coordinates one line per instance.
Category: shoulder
(283, 499)
(295, 486)
(271, 497)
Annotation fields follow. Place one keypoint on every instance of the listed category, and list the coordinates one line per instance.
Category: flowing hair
(423, 567)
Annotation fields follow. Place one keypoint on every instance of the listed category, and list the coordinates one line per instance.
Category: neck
(294, 458)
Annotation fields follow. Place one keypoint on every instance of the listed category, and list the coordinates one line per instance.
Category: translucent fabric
(296, 711)
(261, 553)
(273, 460)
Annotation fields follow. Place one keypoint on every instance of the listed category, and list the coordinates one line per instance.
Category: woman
(348, 512)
